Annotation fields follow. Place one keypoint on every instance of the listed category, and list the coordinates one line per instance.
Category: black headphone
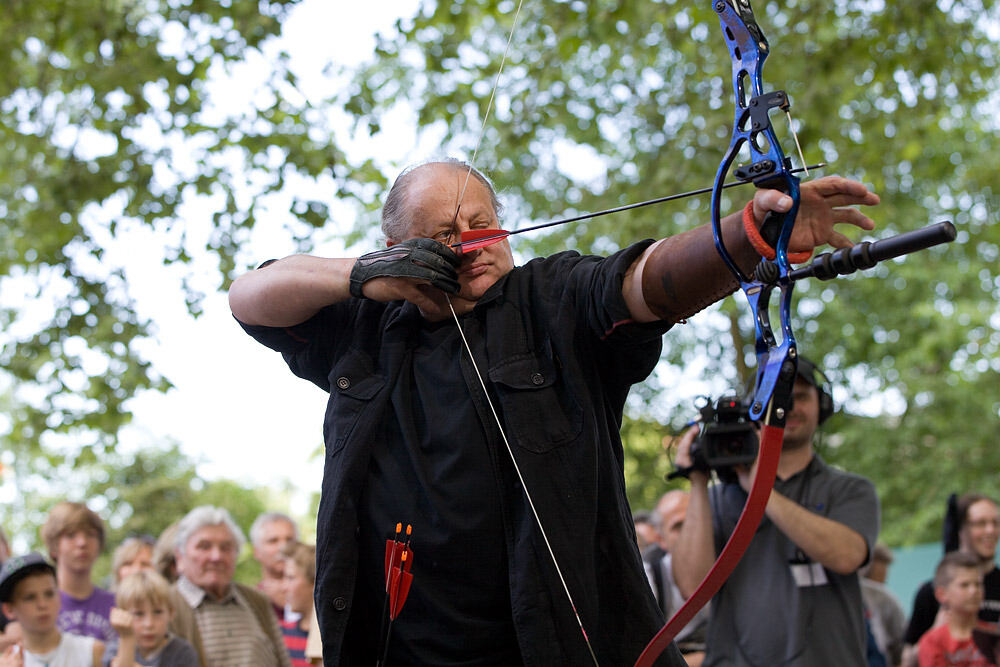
(811, 373)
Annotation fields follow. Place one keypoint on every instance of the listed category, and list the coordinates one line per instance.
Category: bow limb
(753, 512)
(771, 439)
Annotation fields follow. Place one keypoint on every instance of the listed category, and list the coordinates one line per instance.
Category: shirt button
(537, 379)
(343, 383)
(340, 604)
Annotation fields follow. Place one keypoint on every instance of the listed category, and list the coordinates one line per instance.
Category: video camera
(727, 438)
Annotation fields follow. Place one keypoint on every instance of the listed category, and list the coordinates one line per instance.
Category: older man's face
(274, 536)
(209, 559)
(433, 198)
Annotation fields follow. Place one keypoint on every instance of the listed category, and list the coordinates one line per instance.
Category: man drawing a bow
(524, 547)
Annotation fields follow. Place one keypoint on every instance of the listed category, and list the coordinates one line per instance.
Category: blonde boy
(30, 596)
(958, 587)
(145, 595)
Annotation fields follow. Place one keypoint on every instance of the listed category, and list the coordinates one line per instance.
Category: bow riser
(768, 167)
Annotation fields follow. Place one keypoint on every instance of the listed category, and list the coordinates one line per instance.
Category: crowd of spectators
(954, 617)
(174, 601)
(171, 601)
(809, 592)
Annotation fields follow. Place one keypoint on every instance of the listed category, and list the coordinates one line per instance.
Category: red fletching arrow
(400, 588)
(474, 239)
(398, 561)
(392, 550)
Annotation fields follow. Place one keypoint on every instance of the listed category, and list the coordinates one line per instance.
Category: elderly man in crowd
(670, 512)
(270, 533)
(228, 623)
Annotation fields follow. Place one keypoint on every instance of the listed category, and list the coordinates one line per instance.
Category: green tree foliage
(106, 115)
(899, 95)
(646, 462)
(107, 122)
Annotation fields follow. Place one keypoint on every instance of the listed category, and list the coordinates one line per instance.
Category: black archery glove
(419, 259)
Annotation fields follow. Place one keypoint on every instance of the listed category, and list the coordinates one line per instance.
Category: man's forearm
(695, 550)
(680, 275)
(290, 291)
(828, 542)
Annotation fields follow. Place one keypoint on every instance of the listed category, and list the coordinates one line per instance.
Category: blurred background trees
(109, 127)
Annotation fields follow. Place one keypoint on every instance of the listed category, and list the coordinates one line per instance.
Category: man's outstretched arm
(678, 276)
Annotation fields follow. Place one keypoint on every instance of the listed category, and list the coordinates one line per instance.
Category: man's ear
(939, 595)
(8, 611)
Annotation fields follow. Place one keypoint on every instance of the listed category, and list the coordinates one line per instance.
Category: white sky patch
(235, 407)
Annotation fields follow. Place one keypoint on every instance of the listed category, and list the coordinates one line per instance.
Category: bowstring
(520, 477)
(472, 358)
(486, 117)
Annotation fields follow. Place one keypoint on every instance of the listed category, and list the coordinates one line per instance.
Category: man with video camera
(794, 599)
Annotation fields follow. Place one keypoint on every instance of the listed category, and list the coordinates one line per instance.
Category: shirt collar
(194, 595)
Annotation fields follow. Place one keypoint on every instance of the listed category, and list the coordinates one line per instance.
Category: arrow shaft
(502, 234)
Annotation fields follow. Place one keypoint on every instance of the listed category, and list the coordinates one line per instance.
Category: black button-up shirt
(559, 353)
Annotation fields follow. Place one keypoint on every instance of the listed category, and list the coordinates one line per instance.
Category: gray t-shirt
(778, 608)
(177, 652)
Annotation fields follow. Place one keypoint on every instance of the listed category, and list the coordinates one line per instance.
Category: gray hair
(268, 518)
(203, 516)
(396, 220)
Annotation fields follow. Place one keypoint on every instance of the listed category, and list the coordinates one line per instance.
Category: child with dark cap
(30, 596)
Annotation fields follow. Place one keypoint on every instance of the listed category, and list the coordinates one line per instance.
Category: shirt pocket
(353, 385)
(537, 406)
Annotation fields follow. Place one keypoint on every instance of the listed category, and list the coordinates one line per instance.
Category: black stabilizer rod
(867, 254)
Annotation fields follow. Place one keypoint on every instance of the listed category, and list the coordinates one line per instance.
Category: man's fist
(421, 260)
